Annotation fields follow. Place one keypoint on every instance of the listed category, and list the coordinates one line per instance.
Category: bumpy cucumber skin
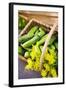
(33, 40)
(42, 40)
(28, 36)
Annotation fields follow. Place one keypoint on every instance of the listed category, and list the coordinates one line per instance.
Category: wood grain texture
(44, 17)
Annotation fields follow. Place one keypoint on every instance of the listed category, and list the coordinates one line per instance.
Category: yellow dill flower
(46, 56)
(29, 65)
(35, 53)
(36, 65)
(47, 67)
(43, 73)
(53, 72)
(50, 57)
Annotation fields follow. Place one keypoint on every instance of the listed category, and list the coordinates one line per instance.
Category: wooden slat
(44, 17)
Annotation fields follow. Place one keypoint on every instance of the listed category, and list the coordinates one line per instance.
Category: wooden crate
(29, 25)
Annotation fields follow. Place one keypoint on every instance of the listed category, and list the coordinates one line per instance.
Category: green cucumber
(28, 36)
